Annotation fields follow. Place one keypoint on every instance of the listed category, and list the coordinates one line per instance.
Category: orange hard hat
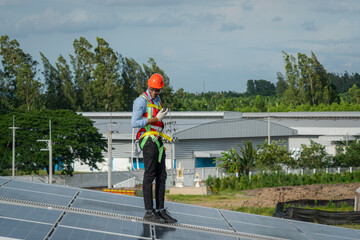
(156, 81)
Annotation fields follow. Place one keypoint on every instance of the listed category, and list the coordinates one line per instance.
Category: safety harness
(149, 130)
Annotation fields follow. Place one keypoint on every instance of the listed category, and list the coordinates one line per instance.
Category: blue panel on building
(141, 163)
(204, 162)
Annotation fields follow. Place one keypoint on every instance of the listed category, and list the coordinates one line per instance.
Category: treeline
(97, 78)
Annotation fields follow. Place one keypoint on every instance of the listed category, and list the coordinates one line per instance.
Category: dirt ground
(268, 197)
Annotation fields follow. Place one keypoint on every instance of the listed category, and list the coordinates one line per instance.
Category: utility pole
(13, 147)
(49, 148)
(171, 149)
(110, 155)
(268, 126)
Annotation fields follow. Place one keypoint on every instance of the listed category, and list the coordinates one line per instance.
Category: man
(147, 115)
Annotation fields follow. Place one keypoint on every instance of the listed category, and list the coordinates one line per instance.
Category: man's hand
(162, 114)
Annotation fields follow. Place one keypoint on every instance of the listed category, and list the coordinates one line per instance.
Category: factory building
(200, 137)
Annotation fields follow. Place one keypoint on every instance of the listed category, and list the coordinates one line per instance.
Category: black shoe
(166, 215)
(153, 216)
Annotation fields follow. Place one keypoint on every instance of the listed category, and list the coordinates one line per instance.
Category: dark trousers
(153, 170)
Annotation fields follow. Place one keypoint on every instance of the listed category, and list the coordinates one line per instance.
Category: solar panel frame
(320, 230)
(104, 224)
(108, 207)
(18, 229)
(3, 180)
(172, 233)
(61, 232)
(35, 196)
(42, 188)
(29, 213)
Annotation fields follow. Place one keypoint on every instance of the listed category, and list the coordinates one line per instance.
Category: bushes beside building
(278, 179)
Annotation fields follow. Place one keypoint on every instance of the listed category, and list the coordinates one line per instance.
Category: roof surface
(30, 210)
(234, 128)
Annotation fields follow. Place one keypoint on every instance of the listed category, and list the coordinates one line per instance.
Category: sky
(202, 45)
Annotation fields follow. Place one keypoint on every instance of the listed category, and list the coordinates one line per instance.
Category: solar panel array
(32, 221)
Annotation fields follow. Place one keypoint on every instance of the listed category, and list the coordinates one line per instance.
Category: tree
(313, 156)
(3, 93)
(260, 103)
(233, 162)
(281, 85)
(292, 92)
(274, 156)
(83, 66)
(74, 138)
(106, 86)
(354, 93)
(250, 89)
(67, 85)
(19, 74)
(347, 156)
(308, 81)
(260, 87)
(59, 92)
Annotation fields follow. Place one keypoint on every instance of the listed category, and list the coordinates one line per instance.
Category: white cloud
(229, 27)
(50, 20)
(277, 19)
(309, 26)
(247, 6)
(169, 53)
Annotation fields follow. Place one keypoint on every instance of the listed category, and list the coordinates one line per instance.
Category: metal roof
(176, 114)
(331, 115)
(183, 120)
(234, 128)
(328, 123)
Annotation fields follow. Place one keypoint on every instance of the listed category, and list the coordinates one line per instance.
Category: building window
(141, 163)
(204, 162)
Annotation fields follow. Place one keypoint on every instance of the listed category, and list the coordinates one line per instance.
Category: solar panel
(172, 233)
(34, 196)
(10, 228)
(65, 233)
(43, 188)
(250, 223)
(111, 198)
(106, 225)
(319, 231)
(109, 207)
(3, 180)
(29, 213)
(30, 210)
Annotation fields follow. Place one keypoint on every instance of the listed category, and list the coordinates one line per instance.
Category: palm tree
(232, 161)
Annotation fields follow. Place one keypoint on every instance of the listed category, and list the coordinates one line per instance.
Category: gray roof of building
(331, 115)
(234, 128)
(176, 114)
(321, 123)
(122, 129)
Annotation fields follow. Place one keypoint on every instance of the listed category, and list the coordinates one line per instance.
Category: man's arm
(139, 108)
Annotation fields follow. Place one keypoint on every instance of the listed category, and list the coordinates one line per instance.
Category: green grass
(189, 199)
(265, 211)
(331, 207)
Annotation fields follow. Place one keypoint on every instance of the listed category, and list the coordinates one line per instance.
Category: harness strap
(150, 133)
(158, 134)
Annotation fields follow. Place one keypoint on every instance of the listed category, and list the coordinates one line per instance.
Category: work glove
(161, 114)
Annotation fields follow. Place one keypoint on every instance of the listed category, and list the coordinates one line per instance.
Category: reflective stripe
(154, 106)
(157, 134)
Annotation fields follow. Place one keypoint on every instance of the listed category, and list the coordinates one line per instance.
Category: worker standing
(147, 115)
